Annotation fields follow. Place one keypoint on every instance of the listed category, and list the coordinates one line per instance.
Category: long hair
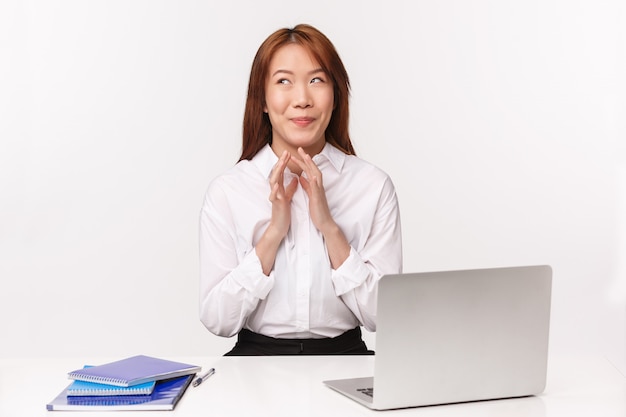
(257, 129)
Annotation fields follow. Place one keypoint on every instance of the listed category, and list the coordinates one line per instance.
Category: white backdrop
(502, 124)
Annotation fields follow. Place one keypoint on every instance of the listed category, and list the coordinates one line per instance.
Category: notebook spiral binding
(97, 379)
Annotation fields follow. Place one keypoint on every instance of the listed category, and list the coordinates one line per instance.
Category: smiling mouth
(302, 121)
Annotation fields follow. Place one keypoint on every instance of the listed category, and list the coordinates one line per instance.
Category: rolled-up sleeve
(232, 281)
(356, 280)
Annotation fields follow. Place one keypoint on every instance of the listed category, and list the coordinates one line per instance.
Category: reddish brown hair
(257, 129)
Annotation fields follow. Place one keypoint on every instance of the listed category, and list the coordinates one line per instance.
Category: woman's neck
(279, 148)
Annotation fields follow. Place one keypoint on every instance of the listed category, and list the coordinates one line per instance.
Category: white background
(502, 124)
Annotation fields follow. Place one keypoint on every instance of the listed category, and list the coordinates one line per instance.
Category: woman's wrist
(267, 247)
(336, 244)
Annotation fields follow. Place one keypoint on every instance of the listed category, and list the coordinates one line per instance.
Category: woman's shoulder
(239, 177)
(350, 163)
(356, 165)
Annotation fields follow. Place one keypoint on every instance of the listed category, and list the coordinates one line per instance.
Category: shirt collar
(265, 159)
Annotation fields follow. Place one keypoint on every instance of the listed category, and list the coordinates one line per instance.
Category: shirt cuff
(351, 274)
(249, 274)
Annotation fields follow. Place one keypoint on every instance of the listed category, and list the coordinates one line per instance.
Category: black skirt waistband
(255, 344)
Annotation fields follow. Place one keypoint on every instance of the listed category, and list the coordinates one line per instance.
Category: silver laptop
(457, 336)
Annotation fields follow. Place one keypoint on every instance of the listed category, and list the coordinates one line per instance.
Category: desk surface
(278, 386)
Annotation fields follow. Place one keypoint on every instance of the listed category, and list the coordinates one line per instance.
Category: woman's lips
(302, 121)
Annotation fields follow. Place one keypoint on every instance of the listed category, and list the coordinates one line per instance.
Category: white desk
(282, 386)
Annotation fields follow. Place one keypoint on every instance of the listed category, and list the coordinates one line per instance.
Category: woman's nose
(302, 97)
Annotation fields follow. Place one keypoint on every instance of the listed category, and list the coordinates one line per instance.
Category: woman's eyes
(285, 81)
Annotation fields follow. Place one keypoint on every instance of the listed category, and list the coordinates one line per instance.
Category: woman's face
(299, 101)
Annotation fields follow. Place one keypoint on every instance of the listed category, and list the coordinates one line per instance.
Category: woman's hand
(336, 242)
(280, 197)
(314, 187)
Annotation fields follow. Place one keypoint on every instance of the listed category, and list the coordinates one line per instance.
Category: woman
(294, 237)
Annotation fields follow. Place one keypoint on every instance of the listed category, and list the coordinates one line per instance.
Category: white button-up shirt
(303, 296)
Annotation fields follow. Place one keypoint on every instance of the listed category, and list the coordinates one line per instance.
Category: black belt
(348, 343)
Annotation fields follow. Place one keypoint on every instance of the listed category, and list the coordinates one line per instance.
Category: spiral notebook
(134, 370)
(84, 388)
(167, 393)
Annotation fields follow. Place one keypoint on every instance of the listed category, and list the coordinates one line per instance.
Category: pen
(199, 380)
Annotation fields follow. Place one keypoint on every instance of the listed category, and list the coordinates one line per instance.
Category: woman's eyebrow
(284, 71)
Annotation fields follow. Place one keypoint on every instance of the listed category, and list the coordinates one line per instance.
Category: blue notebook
(134, 370)
(84, 388)
(165, 396)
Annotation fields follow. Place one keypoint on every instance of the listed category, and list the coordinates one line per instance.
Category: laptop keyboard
(367, 391)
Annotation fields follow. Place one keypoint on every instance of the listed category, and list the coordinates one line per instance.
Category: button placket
(300, 223)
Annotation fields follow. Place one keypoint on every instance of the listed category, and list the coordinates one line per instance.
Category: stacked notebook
(135, 383)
